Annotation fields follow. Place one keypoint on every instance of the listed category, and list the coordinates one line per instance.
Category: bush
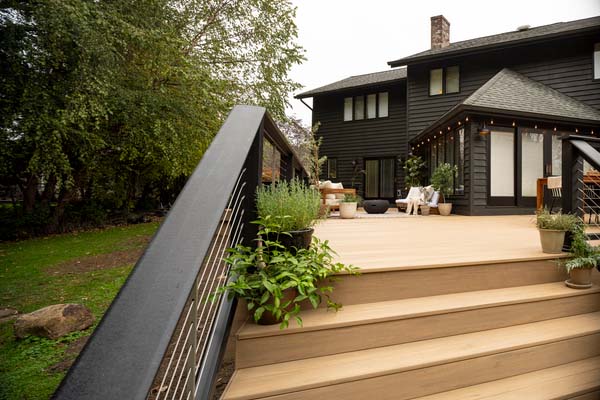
(292, 205)
(413, 169)
(443, 179)
(585, 256)
(557, 221)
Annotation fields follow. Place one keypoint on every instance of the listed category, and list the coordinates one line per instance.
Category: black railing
(161, 338)
(581, 181)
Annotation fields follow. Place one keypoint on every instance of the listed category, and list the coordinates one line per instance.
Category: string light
(467, 119)
(576, 130)
(459, 123)
(513, 124)
(554, 129)
(434, 136)
(428, 139)
(448, 128)
(535, 126)
(492, 122)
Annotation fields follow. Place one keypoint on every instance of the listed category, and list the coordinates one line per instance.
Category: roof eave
(495, 112)
(482, 49)
(347, 89)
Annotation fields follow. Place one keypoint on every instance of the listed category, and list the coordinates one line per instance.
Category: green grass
(26, 286)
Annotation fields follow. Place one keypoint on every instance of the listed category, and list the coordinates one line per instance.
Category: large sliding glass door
(517, 159)
(379, 178)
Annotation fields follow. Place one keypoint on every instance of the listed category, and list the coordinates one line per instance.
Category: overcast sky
(352, 37)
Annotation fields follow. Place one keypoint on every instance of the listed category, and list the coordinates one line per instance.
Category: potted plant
(585, 259)
(348, 206)
(443, 181)
(413, 167)
(293, 207)
(274, 282)
(553, 227)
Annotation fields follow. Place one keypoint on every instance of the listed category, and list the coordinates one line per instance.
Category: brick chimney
(440, 32)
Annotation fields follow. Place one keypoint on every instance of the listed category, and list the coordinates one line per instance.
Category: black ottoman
(375, 206)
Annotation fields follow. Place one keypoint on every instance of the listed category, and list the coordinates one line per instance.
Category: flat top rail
(123, 355)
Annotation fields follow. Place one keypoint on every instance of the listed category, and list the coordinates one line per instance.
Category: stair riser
(272, 349)
(595, 395)
(403, 284)
(439, 378)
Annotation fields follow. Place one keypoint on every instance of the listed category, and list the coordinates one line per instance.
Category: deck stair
(423, 335)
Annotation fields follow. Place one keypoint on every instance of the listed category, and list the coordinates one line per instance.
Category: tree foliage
(113, 103)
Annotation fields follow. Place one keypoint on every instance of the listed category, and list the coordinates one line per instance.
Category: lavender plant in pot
(294, 208)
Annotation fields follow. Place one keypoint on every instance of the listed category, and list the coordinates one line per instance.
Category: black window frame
(329, 168)
(365, 106)
(444, 90)
(596, 50)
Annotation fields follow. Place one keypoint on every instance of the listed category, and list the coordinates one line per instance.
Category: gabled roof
(513, 94)
(358, 81)
(504, 39)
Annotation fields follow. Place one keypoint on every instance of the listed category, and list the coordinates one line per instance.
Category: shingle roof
(540, 32)
(511, 93)
(357, 81)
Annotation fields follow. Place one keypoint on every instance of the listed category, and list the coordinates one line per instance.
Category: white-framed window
(371, 106)
(597, 61)
(444, 80)
(383, 104)
(348, 109)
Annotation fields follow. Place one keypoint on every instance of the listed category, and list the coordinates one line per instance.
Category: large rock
(54, 321)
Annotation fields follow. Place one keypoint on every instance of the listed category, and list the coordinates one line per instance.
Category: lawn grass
(27, 285)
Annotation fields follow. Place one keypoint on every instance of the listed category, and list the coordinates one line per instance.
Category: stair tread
(561, 382)
(286, 377)
(368, 313)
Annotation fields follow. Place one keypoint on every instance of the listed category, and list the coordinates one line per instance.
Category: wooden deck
(398, 241)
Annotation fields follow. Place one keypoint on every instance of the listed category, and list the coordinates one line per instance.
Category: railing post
(569, 177)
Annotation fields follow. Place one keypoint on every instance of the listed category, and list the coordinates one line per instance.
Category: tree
(114, 102)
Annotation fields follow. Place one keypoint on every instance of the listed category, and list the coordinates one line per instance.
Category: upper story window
(597, 61)
(444, 80)
(371, 106)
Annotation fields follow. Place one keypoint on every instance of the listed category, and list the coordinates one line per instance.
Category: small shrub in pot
(552, 228)
(585, 259)
(348, 206)
(443, 181)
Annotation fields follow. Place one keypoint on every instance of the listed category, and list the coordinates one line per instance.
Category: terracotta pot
(425, 210)
(268, 318)
(445, 208)
(348, 210)
(581, 276)
(552, 240)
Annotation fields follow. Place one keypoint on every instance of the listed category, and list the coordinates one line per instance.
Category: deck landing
(398, 241)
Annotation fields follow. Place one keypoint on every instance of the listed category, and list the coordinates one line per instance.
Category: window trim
(365, 106)
(444, 92)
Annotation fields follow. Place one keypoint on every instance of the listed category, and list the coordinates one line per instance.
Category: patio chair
(415, 191)
(555, 186)
(333, 193)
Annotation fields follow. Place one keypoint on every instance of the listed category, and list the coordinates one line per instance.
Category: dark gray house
(495, 106)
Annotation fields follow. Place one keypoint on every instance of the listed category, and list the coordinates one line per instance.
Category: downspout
(309, 107)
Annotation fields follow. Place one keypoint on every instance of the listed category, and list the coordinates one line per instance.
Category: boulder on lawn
(54, 321)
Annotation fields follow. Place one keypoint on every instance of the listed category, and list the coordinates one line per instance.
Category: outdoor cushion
(337, 186)
(435, 198)
(428, 192)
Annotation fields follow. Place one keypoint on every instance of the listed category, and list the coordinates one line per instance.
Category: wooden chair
(325, 192)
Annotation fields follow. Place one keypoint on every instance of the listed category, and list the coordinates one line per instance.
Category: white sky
(352, 37)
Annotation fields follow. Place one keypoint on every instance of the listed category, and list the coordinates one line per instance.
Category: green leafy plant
(315, 160)
(413, 169)
(557, 221)
(291, 205)
(443, 179)
(585, 256)
(261, 275)
(351, 198)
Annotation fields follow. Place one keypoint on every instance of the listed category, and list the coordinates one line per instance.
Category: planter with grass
(552, 228)
(442, 180)
(292, 208)
(274, 283)
(348, 206)
(585, 259)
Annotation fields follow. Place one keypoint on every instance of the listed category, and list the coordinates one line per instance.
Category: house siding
(564, 65)
(357, 140)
